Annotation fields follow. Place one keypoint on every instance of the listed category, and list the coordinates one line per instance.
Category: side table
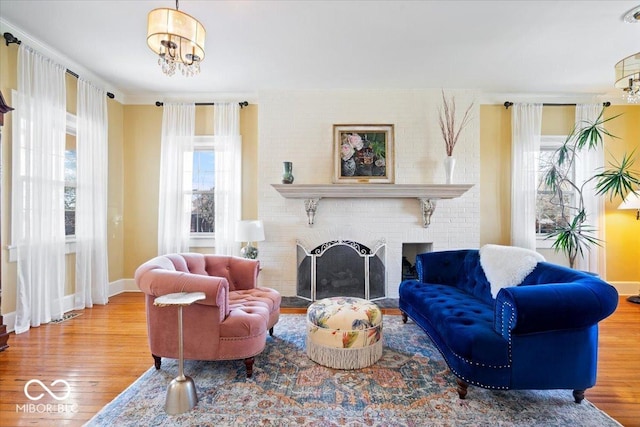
(181, 393)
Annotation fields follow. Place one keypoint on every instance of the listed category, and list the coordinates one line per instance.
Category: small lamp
(249, 231)
(632, 201)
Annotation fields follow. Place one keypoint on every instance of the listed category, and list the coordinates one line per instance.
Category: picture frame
(363, 154)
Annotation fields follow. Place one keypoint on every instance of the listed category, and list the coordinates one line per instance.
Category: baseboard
(123, 285)
(115, 288)
(626, 288)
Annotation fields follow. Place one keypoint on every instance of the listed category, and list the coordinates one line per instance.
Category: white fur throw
(507, 265)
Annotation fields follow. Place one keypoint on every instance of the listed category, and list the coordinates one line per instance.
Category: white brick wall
(297, 126)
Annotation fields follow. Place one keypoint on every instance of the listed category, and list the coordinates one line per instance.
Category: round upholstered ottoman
(344, 332)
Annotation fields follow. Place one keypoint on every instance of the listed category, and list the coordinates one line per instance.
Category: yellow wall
(495, 175)
(116, 189)
(557, 120)
(8, 81)
(621, 229)
(142, 133)
(249, 132)
(142, 138)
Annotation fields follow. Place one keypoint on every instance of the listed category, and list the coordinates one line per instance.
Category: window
(203, 191)
(549, 214)
(70, 169)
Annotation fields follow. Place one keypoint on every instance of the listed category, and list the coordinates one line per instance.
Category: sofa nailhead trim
(462, 377)
(470, 362)
(511, 323)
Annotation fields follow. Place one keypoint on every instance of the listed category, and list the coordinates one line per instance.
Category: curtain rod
(508, 104)
(10, 38)
(242, 104)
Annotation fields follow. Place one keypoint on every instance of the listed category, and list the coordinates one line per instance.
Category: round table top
(179, 298)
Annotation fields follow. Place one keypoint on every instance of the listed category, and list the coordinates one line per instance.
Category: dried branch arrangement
(447, 122)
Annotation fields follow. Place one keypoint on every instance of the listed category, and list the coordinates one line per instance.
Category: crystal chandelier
(177, 39)
(628, 78)
(628, 70)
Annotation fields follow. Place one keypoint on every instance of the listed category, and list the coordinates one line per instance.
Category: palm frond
(619, 180)
(592, 134)
(552, 178)
(574, 238)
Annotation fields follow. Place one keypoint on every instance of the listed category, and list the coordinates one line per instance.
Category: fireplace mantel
(427, 194)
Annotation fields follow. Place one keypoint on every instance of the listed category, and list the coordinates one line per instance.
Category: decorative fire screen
(342, 268)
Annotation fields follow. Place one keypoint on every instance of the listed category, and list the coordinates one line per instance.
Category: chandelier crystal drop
(168, 66)
(177, 39)
(633, 94)
(628, 78)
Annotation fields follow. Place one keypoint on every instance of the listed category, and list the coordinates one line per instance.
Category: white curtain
(526, 123)
(92, 272)
(38, 189)
(588, 163)
(228, 171)
(176, 164)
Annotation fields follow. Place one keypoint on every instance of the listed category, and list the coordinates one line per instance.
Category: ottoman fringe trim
(344, 358)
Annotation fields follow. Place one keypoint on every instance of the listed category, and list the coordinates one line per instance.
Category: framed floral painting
(363, 154)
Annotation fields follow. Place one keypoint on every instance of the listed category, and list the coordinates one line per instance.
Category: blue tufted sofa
(541, 334)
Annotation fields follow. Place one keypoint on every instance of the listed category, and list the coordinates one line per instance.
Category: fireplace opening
(409, 252)
(341, 268)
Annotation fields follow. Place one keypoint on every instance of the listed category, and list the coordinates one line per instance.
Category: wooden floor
(102, 351)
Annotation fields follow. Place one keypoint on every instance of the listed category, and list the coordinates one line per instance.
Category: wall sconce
(249, 231)
(632, 201)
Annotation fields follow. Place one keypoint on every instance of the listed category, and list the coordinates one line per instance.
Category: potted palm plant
(573, 235)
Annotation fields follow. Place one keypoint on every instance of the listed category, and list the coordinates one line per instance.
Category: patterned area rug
(409, 386)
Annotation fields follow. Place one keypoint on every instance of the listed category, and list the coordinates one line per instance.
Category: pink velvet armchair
(231, 323)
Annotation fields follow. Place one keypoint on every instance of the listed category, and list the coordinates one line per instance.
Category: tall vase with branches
(573, 235)
(451, 131)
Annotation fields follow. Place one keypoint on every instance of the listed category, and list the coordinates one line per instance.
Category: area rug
(409, 386)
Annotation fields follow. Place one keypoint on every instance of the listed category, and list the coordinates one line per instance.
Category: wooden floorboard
(102, 351)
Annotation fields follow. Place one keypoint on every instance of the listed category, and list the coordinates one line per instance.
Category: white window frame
(72, 128)
(548, 142)
(203, 240)
(70, 241)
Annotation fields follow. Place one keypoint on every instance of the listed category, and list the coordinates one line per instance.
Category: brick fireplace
(296, 126)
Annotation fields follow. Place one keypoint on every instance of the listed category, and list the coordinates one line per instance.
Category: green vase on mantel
(287, 176)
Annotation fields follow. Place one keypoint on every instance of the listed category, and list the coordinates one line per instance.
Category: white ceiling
(527, 48)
